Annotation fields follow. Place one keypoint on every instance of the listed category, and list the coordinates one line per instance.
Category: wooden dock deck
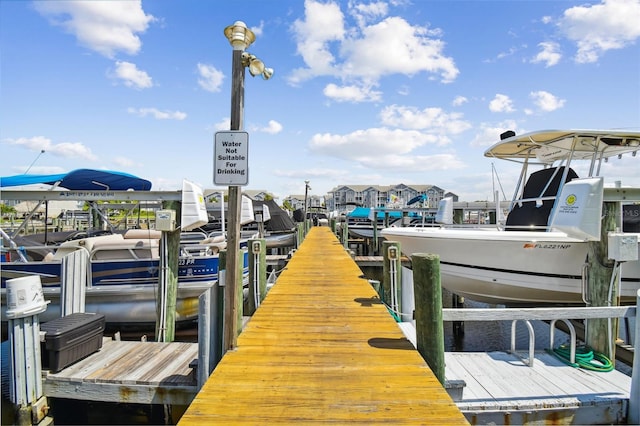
(500, 388)
(322, 349)
(130, 372)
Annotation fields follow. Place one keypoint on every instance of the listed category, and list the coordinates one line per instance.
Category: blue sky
(375, 93)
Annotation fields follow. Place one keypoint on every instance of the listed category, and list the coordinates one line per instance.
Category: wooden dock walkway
(322, 349)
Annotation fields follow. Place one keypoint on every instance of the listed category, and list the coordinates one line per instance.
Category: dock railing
(564, 314)
(545, 314)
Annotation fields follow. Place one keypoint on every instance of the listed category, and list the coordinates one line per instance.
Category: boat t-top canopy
(551, 145)
(82, 180)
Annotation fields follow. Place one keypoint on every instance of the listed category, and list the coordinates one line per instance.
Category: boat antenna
(494, 174)
(34, 161)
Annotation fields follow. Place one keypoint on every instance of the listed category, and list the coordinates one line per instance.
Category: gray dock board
(126, 371)
(501, 388)
(501, 381)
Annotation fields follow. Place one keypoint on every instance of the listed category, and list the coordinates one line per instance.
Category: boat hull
(510, 268)
(281, 240)
(365, 232)
(124, 291)
(126, 305)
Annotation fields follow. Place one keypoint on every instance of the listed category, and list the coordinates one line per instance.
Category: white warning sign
(231, 158)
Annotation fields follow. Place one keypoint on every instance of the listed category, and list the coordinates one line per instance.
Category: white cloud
(459, 100)
(431, 119)
(393, 46)
(63, 149)
(157, 114)
(106, 27)
(222, 125)
(549, 54)
(381, 141)
(489, 134)
(364, 13)
(383, 148)
(501, 103)
(413, 163)
(351, 93)
(501, 55)
(315, 172)
(131, 76)
(612, 24)
(273, 128)
(545, 101)
(368, 51)
(258, 30)
(324, 23)
(210, 78)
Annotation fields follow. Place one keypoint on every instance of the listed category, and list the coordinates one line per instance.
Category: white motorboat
(538, 255)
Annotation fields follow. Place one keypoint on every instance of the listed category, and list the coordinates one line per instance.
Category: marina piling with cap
(25, 301)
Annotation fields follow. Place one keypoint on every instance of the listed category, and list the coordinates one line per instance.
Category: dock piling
(392, 276)
(634, 395)
(429, 325)
(257, 274)
(209, 331)
(601, 290)
(25, 371)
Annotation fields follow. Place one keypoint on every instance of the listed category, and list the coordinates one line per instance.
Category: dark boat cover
(280, 220)
(82, 180)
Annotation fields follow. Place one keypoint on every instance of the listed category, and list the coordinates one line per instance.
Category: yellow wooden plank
(321, 348)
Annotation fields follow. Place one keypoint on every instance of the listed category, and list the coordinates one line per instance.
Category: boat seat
(125, 250)
(141, 234)
(219, 239)
(48, 257)
(84, 243)
(533, 215)
(205, 247)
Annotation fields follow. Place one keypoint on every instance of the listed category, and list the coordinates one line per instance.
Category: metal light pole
(306, 190)
(240, 38)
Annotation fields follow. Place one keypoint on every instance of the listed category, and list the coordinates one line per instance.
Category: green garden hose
(585, 358)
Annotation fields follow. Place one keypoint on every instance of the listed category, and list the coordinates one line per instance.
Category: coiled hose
(585, 358)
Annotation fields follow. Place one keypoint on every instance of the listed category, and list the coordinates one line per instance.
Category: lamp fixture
(267, 73)
(239, 35)
(256, 66)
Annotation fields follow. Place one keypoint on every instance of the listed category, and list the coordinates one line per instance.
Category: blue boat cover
(82, 180)
(421, 197)
(363, 213)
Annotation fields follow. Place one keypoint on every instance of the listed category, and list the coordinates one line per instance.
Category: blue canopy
(363, 213)
(82, 180)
